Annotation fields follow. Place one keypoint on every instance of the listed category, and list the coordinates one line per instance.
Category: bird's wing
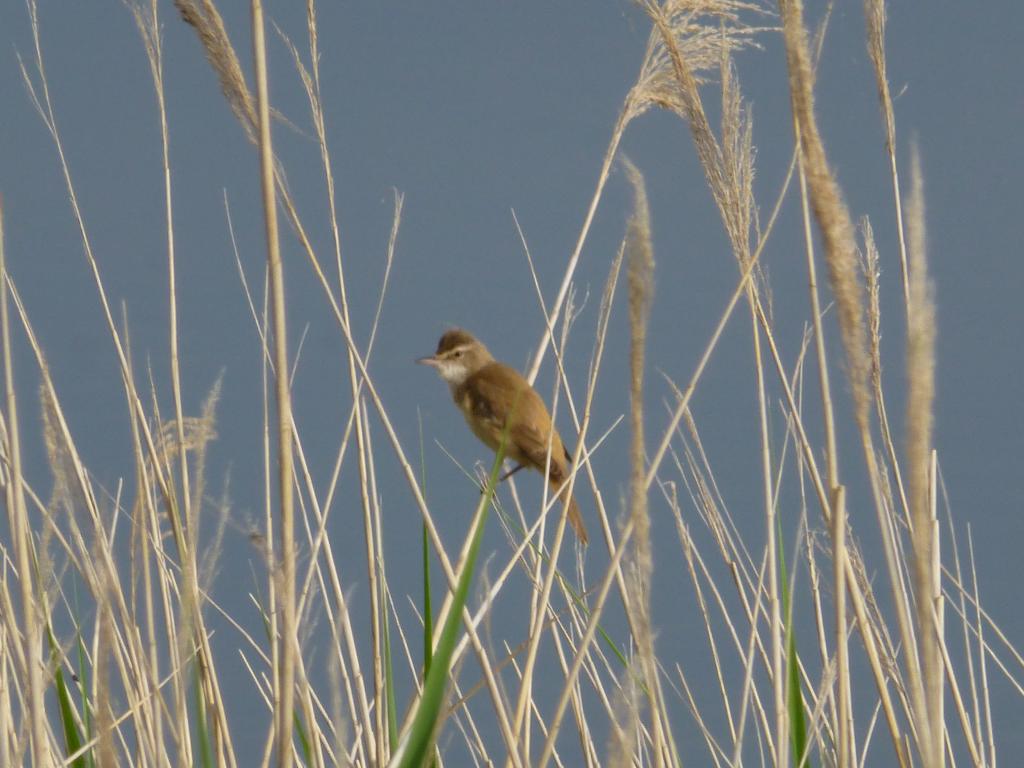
(490, 403)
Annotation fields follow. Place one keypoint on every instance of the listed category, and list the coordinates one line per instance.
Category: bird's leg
(511, 472)
(504, 477)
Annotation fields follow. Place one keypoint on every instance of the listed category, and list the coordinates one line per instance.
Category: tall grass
(812, 660)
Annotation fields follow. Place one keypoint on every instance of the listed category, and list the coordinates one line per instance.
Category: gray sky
(473, 110)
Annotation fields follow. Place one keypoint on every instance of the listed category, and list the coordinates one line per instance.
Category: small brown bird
(488, 393)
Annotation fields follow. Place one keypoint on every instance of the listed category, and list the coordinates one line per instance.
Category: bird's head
(458, 356)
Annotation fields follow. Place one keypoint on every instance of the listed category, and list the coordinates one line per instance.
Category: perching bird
(488, 393)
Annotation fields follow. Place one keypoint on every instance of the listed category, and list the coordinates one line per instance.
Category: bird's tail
(573, 510)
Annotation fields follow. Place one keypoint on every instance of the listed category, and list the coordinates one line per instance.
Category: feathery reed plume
(830, 211)
(205, 19)
(625, 720)
(688, 38)
(695, 33)
(920, 399)
(737, 164)
(874, 14)
(701, 31)
(640, 255)
(872, 275)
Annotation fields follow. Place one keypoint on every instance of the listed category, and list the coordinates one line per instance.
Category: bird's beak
(431, 361)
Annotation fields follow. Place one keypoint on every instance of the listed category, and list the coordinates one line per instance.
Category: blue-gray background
(473, 109)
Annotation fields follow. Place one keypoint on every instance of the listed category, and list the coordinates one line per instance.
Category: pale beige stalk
(284, 570)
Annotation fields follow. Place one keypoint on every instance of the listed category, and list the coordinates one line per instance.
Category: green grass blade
(795, 701)
(72, 735)
(389, 680)
(305, 748)
(427, 610)
(83, 689)
(205, 750)
(794, 693)
(416, 747)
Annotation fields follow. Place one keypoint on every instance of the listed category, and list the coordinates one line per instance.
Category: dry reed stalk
(965, 625)
(837, 529)
(982, 653)
(816, 588)
(748, 675)
(284, 571)
(378, 585)
(311, 84)
(6, 705)
(684, 399)
(102, 579)
(321, 548)
(149, 30)
(846, 747)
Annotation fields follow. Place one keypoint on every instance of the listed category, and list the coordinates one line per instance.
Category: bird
(489, 394)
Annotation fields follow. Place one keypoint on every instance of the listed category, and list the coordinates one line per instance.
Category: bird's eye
(458, 353)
